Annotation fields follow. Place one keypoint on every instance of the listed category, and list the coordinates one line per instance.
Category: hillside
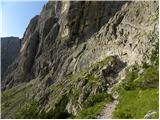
(77, 58)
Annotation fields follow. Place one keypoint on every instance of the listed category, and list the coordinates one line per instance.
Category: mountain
(10, 48)
(86, 59)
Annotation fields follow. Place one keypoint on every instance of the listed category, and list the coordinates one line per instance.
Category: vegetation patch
(138, 92)
(136, 103)
(13, 98)
(29, 111)
(94, 99)
(60, 111)
(149, 78)
(91, 71)
(90, 79)
(91, 112)
(93, 106)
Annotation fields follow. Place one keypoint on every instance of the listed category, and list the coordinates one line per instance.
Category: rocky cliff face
(74, 53)
(10, 49)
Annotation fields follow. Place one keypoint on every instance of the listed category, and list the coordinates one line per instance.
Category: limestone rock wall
(10, 49)
(72, 36)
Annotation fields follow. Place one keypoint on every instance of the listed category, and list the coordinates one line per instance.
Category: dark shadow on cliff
(111, 72)
(89, 18)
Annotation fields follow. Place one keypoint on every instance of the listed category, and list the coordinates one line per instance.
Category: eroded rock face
(56, 33)
(10, 49)
(68, 37)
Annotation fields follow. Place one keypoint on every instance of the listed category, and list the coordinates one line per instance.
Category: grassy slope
(138, 95)
(15, 100)
(136, 103)
(94, 106)
(139, 92)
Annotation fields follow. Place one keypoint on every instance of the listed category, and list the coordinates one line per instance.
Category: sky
(15, 16)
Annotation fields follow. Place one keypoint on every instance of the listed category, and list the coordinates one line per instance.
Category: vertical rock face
(10, 49)
(53, 35)
(75, 50)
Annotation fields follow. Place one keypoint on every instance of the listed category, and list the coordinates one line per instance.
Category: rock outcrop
(10, 49)
(71, 54)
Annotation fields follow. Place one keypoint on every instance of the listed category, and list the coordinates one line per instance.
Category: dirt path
(108, 110)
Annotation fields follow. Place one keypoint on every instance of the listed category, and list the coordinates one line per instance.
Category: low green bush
(93, 106)
(92, 100)
(91, 112)
(149, 79)
(28, 110)
(127, 83)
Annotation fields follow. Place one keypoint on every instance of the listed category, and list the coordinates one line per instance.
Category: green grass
(149, 78)
(138, 92)
(60, 111)
(55, 87)
(29, 110)
(138, 95)
(88, 77)
(12, 99)
(93, 106)
(136, 103)
(99, 65)
(91, 112)
(94, 99)
(93, 70)
(155, 55)
(127, 83)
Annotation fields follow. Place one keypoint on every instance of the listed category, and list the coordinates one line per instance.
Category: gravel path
(107, 111)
